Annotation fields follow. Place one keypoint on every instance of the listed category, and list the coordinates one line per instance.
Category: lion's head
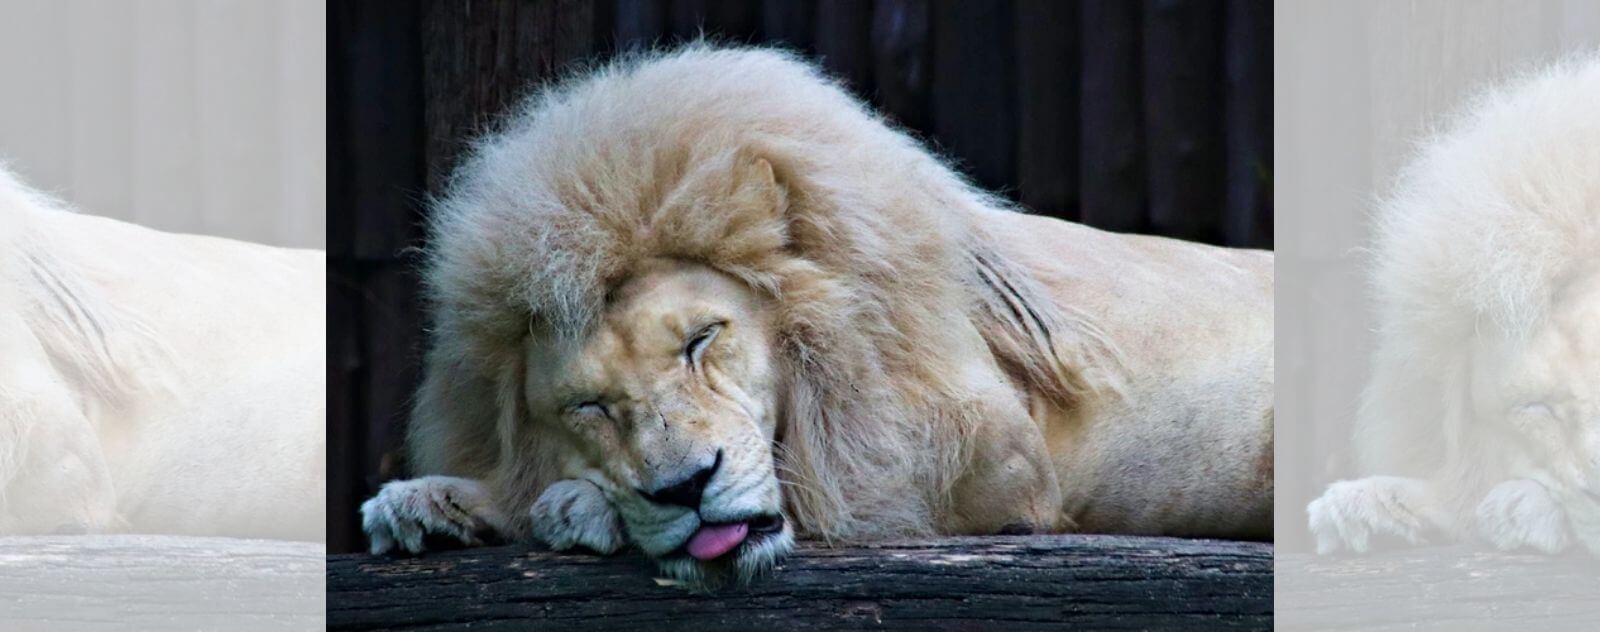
(670, 406)
(1542, 390)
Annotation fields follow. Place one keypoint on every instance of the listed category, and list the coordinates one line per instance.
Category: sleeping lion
(1481, 419)
(703, 303)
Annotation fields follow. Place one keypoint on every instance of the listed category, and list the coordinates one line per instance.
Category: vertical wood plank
(163, 113)
(902, 55)
(1183, 117)
(844, 29)
(726, 21)
(1247, 58)
(340, 223)
(481, 55)
(100, 47)
(1047, 100)
(974, 88)
(32, 130)
(376, 141)
(347, 486)
(383, 146)
(1111, 159)
(239, 156)
(734, 21)
(790, 23)
(301, 91)
(640, 24)
(687, 19)
(392, 345)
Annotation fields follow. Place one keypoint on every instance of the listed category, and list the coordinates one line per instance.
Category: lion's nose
(687, 492)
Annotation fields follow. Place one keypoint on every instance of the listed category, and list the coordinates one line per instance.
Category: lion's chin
(753, 559)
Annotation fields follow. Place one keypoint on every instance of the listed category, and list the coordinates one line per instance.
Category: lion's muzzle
(712, 540)
(689, 491)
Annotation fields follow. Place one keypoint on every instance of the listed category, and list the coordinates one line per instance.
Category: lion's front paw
(1351, 513)
(575, 513)
(1522, 513)
(405, 512)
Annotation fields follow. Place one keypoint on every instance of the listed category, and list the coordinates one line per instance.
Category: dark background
(1150, 116)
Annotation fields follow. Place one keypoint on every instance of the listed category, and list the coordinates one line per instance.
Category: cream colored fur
(156, 383)
(1482, 415)
(943, 363)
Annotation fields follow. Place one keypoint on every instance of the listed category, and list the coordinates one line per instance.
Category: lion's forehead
(634, 358)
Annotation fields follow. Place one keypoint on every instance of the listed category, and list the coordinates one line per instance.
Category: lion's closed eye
(1532, 414)
(589, 408)
(1535, 409)
(702, 338)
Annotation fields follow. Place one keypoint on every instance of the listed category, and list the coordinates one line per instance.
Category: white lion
(703, 302)
(1482, 415)
(156, 383)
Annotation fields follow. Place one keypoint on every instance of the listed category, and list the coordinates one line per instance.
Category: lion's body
(156, 383)
(1482, 413)
(1186, 449)
(944, 365)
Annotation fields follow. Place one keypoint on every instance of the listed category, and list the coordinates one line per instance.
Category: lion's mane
(1494, 212)
(877, 263)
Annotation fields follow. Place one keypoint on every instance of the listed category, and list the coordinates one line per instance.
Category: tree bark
(1014, 583)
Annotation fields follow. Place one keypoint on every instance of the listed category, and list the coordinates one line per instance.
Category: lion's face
(670, 407)
(1548, 388)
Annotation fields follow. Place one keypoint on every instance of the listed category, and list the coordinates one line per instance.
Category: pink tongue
(711, 541)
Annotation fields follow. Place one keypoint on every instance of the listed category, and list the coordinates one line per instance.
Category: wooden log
(1009, 582)
(144, 582)
(1438, 588)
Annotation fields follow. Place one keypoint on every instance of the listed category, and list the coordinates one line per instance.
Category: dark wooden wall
(1150, 117)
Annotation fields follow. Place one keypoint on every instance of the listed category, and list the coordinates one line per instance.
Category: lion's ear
(756, 186)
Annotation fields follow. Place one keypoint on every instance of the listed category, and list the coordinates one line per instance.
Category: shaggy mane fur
(876, 260)
(1487, 222)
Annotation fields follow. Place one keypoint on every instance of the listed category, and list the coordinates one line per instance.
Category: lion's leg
(405, 512)
(1521, 513)
(1009, 485)
(1350, 513)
